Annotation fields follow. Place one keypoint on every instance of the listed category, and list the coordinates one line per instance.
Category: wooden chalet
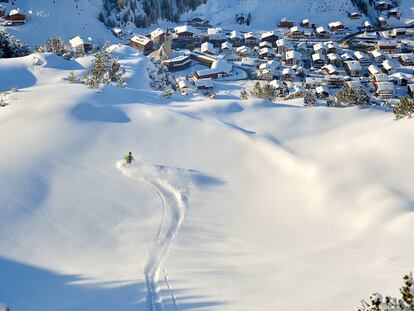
(293, 58)
(387, 45)
(186, 33)
(142, 43)
(15, 17)
(178, 63)
(286, 23)
(336, 26)
(270, 37)
(353, 68)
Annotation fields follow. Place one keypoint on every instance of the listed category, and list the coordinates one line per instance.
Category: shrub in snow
(310, 99)
(55, 45)
(105, 70)
(407, 291)
(348, 96)
(161, 80)
(244, 95)
(11, 47)
(404, 108)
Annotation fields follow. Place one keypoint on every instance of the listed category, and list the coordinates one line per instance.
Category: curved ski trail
(174, 205)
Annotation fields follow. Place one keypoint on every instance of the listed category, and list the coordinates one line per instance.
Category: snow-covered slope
(267, 14)
(65, 18)
(231, 205)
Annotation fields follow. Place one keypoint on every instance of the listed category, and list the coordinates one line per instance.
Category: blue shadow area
(27, 288)
(88, 112)
(18, 77)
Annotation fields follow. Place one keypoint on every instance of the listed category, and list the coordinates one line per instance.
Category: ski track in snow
(174, 205)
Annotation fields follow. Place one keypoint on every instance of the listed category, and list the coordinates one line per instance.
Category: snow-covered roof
(186, 28)
(354, 65)
(76, 41)
(267, 50)
(265, 44)
(226, 45)
(268, 34)
(385, 86)
(320, 29)
(158, 32)
(293, 55)
(277, 84)
(218, 66)
(214, 31)
(235, 34)
(318, 56)
(207, 83)
(322, 89)
(250, 35)
(287, 71)
(141, 39)
(377, 53)
(389, 64)
(330, 69)
(335, 24)
(372, 69)
(360, 55)
(14, 12)
(332, 56)
(207, 47)
(354, 84)
(387, 43)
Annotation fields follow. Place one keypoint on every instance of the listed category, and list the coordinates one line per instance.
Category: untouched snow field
(231, 205)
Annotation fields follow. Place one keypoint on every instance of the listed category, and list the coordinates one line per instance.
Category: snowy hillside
(231, 205)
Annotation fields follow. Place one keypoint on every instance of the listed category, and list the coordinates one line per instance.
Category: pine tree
(244, 95)
(72, 77)
(407, 291)
(310, 99)
(405, 108)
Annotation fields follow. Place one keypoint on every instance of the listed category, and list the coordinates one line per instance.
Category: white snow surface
(231, 205)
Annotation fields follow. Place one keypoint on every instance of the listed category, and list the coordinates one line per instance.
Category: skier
(129, 158)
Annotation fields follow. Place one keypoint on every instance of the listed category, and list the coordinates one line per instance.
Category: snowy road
(173, 203)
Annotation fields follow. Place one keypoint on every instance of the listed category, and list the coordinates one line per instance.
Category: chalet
(219, 69)
(336, 26)
(295, 33)
(354, 15)
(379, 78)
(322, 92)
(400, 78)
(205, 85)
(354, 84)
(184, 86)
(118, 32)
(410, 89)
(383, 5)
(406, 59)
(236, 38)
(15, 17)
(306, 23)
(2, 11)
(313, 82)
(197, 22)
(363, 58)
(353, 68)
(248, 61)
(332, 47)
(320, 48)
(208, 48)
(265, 74)
(186, 33)
(385, 90)
(244, 51)
(330, 69)
(158, 36)
(80, 46)
(334, 80)
(398, 32)
(321, 32)
(250, 39)
(279, 87)
(142, 43)
(373, 70)
(367, 25)
(216, 34)
(389, 65)
(394, 12)
(381, 21)
(387, 45)
(267, 53)
(287, 74)
(293, 58)
(265, 44)
(226, 47)
(285, 23)
(284, 46)
(270, 36)
(318, 60)
(378, 56)
(178, 63)
(346, 57)
(334, 59)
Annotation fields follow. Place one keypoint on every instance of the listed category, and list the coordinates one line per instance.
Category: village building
(250, 39)
(270, 36)
(380, 77)
(208, 48)
(385, 90)
(318, 60)
(354, 15)
(142, 43)
(265, 44)
(178, 63)
(373, 70)
(283, 46)
(306, 23)
(279, 87)
(322, 92)
(383, 5)
(367, 25)
(184, 86)
(336, 26)
(330, 69)
(363, 58)
(320, 48)
(394, 12)
(118, 32)
(286, 23)
(186, 33)
(331, 47)
(16, 17)
(346, 57)
(387, 45)
(400, 78)
(236, 38)
(295, 33)
(314, 81)
(158, 36)
(334, 81)
(226, 47)
(287, 74)
(381, 21)
(216, 34)
(248, 62)
(244, 51)
(406, 59)
(389, 65)
(205, 85)
(321, 32)
(353, 68)
(334, 59)
(293, 58)
(353, 84)
(199, 22)
(398, 32)
(378, 56)
(267, 53)
(219, 69)
(80, 46)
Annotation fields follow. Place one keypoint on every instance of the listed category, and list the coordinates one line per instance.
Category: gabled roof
(141, 39)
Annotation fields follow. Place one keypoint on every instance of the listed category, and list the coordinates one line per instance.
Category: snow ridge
(174, 205)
